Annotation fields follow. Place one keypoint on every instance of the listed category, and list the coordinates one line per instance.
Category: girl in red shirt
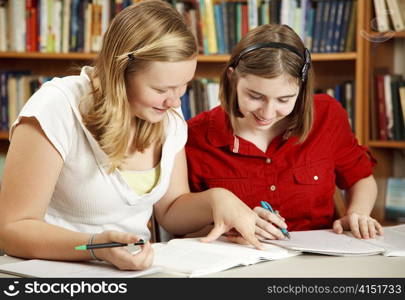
(272, 140)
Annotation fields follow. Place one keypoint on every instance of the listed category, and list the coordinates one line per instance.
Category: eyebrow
(286, 96)
(171, 86)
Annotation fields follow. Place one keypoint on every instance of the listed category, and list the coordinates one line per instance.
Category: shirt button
(272, 188)
(316, 178)
(268, 160)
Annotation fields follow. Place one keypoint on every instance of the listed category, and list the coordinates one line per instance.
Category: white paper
(393, 240)
(194, 258)
(48, 268)
(327, 242)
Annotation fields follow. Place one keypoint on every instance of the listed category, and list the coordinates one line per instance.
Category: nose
(269, 110)
(173, 100)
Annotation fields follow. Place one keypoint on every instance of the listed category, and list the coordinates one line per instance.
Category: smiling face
(264, 102)
(158, 88)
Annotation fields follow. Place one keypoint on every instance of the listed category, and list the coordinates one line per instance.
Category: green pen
(267, 206)
(108, 245)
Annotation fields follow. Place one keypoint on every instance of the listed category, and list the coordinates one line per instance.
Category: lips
(261, 121)
(160, 110)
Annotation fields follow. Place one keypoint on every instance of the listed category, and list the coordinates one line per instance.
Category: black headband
(306, 56)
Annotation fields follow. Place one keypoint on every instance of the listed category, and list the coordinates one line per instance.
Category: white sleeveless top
(86, 198)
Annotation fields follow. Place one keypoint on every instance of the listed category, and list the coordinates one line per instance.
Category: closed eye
(160, 91)
(255, 97)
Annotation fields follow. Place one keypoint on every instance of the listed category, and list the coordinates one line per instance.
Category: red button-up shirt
(298, 180)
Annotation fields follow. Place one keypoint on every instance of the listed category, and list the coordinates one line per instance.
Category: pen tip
(82, 247)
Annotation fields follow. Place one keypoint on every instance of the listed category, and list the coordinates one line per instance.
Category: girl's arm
(181, 212)
(361, 198)
(32, 169)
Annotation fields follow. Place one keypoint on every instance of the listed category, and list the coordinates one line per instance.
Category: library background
(358, 50)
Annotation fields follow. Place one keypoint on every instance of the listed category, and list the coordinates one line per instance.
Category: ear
(229, 72)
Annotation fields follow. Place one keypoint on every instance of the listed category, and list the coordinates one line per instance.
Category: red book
(245, 20)
(381, 111)
(31, 22)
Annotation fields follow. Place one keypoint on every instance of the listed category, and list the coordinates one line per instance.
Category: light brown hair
(270, 63)
(140, 34)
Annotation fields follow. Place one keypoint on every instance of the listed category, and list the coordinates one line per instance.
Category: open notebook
(62, 269)
(186, 257)
(190, 257)
(392, 243)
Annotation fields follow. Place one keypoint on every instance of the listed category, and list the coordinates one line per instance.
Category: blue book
(185, 105)
(338, 26)
(4, 100)
(316, 42)
(331, 25)
(74, 25)
(338, 95)
(325, 25)
(348, 5)
(395, 199)
(309, 28)
(219, 28)
(225, 28)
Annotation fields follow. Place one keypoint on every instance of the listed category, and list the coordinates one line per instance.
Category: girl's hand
(268, 224)
(230, 212)
(120, 256)
(268, 227)
(362, 226)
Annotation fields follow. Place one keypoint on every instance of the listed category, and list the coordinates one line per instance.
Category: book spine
(382, 117)
(381, 15)
(395, 14)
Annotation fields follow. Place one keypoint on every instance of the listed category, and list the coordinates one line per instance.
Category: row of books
(201, 95)
(345, 94)
(77, 26)
(56, 25)
(389, 15)
(324, 26)
(388, 108)
(15, 89)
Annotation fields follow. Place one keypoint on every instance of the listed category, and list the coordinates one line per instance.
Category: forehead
(169, 73)
(277, 86)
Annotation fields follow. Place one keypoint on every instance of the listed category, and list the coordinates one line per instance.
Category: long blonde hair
(140, 34)
(270, 63)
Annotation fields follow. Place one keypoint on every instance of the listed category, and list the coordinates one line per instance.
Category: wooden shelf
(40, 55)
(387, 144)
(393, 34)
(201, 58)
(3, 135)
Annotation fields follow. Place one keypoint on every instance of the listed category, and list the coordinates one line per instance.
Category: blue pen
(267, 206)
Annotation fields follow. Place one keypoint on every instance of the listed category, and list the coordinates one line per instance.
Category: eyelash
(260, 98)
(255, 98)
(160, 91)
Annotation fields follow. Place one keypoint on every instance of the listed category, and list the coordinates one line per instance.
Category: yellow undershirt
(142, 182)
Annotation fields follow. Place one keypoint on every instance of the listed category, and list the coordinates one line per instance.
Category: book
(381, 14)
(326, 242)
(380, 107)
(395, 14)
(395, 199)
(402, 100)
(186, 257)
(192, 258)
(64, 269)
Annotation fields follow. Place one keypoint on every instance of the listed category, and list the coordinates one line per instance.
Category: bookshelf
(330, 69)
(379, 55)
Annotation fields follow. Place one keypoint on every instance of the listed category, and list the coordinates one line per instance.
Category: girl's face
(264, 102)
(154, 90)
